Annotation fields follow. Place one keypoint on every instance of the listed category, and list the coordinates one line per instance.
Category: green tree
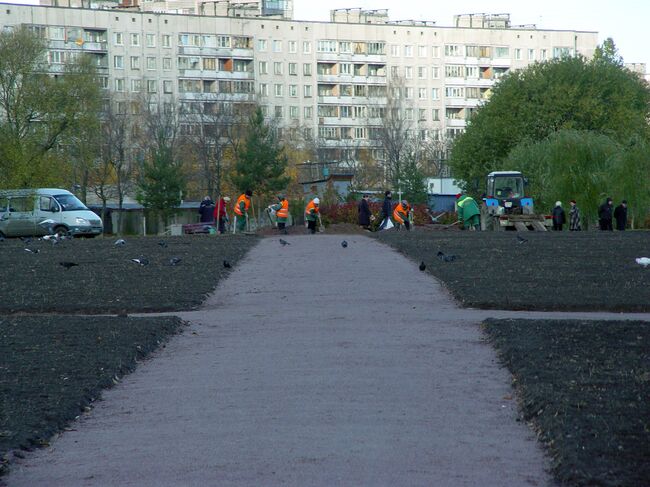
(531, 104)
(412, 183)
(260, 161)
(608, 52)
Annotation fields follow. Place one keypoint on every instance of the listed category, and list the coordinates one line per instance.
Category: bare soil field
(550, 271)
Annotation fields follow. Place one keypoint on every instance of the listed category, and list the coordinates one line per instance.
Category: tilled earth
(53, 367)
(107, 281)
(551, 271)
(585, 386)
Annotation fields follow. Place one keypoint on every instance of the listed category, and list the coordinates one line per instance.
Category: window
(293, 69)
(277, 68)
(189, 86)
(135, 39)
(328, 132)
(435, 114)
(345, 68)
(422, 93)
(376, 48)
(293, 47)
(543, 55)
(307, 112)
(294, 112)
(473, 93)
(166, 40)
(394, 71)
(455, 92)
(307, 93)
(209, 41)
(277, 46)
(168, 86)
(422, 114)
(103, 82)
(501, 52)
(264, 67)
(422, 51)
(435, 51)
(278, 111)
(261, 45)
(408, 51)
(306, 47)
(264, 89)
(326, 46)
(223, 41)
(151, 63)
(241, 65)
(360, 133)
(167, 63)
(394, 50)
(306, 69)
(435, 93)
(119, 84)
(408, 72)
(408, 92)
(531, 54)
(151, 40)
(408, 114)
(118, 38)
(345, 47)
(57, 57)
(136, 85)
(454, 71)
(345, 90)
(346, 111)
(118, 62)
(279, 90)
(293, 91)
(422, 72)
(152, 86)
(559, 52)
(471, 71)
(209, 64)
(58, 34)
(518, 54)
(453, 50)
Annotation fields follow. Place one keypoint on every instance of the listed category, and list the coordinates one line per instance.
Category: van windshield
(69, 202)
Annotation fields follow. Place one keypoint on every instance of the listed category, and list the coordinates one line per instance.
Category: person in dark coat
(605, 215)
(364, 212)
(206, 210)
(574, 217)
(386, 209)
(620, 215)
(559, 217)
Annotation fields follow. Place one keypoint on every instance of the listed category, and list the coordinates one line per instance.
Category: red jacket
(221, 209)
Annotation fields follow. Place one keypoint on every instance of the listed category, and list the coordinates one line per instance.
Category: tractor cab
(505, 193)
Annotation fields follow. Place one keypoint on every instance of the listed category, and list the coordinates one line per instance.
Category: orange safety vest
(283, 212)
(401, 213)
(311, 206)
(247, 203)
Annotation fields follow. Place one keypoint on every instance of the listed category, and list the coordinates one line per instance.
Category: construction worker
(402, 214)
(468, 212)
(312, 215)
(242, 205)
(281, 209)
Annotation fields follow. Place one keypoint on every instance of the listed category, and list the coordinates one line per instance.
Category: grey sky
(626, 21)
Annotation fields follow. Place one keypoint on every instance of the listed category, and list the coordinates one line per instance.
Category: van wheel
(60, 231)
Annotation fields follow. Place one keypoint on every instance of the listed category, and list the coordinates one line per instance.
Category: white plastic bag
(388, 225)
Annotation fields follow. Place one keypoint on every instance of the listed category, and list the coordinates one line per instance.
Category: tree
(260, 161)
(531, 104)
(608, 52)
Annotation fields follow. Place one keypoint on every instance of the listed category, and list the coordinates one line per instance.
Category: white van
(23, 211)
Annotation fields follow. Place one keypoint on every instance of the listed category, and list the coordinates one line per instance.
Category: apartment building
(329, 80)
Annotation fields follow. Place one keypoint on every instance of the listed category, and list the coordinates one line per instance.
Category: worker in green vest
(468, 212)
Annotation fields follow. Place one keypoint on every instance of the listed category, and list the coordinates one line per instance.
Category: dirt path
(312, 365)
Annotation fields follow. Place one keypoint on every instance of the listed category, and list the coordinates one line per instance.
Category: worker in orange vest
(242, 205)
(402, 214)
(281, 209)
(312, 214)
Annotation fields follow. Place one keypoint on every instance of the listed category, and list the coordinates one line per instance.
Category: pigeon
(120, 242)
(423, 266)
(141, 261)
(175, 261)
(521, 239)
(32, 251)
(344, 244)
(284, 242)
(163, 244)
(67, 265)
(26, 240)
(50, 237)
(226, 264)
(446, 258)
(644, 261)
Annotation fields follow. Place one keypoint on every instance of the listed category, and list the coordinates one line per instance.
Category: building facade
(330, 81)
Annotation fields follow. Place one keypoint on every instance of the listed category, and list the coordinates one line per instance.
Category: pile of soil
(106, 280)
(585, 386)
(53, 367)
(550, 271)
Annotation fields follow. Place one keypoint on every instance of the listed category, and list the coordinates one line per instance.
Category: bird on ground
(32, 251)
(644, 261)
(226, 264)
(446, 258)
(344, 244)
(163, 244)
(120, 242)
(175, 261)
(141, 261)
(68, 265)
(423, 266)
(54, 236)
(26, 240)
(284, 242)
(521, 239)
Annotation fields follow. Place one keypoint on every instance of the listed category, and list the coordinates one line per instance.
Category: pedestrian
(242, 205)
(620, 215)
(605, 215)
(312, 215)
(468, 212)
(559, 217)
(574, 217)
(281, 209)
(206, 210)
(221, 214)
(365, 215)
(402, 215)
(386, 211)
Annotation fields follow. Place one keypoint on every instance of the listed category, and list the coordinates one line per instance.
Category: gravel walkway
(312, 365)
